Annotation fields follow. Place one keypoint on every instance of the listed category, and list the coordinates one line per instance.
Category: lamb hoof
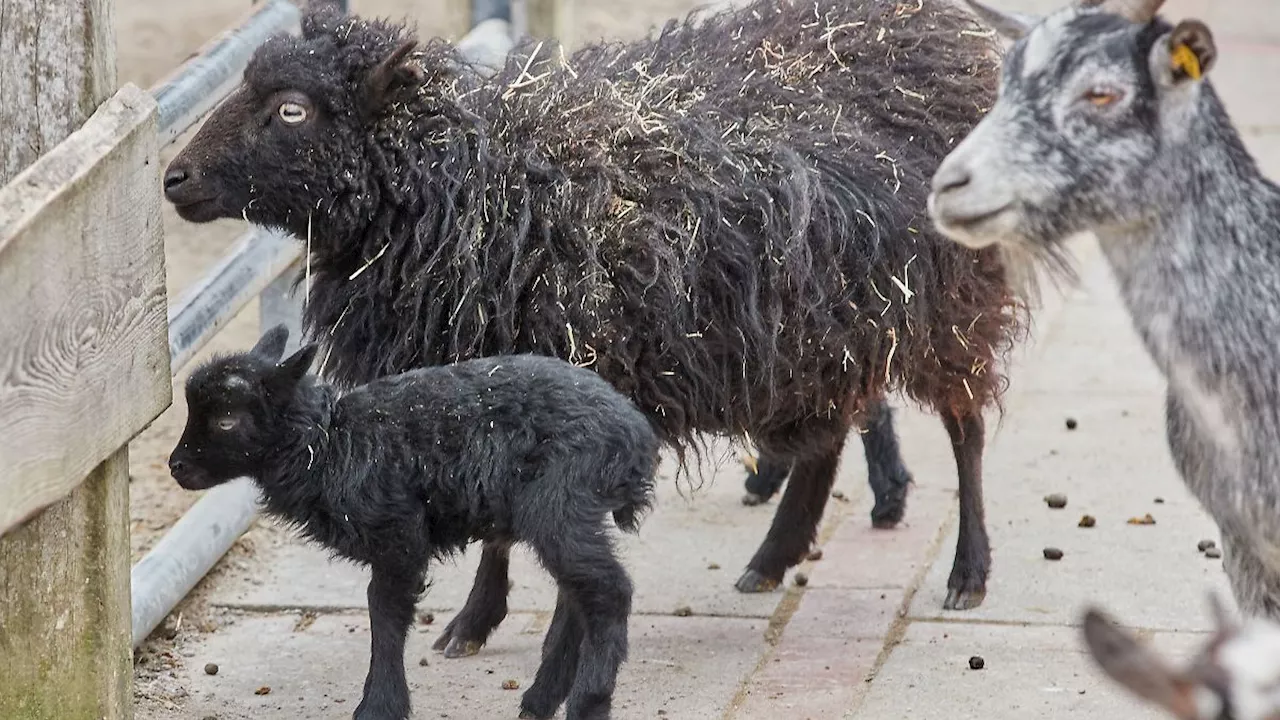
(754, 582)
(458, 648)
(964, 599)
(751, 499)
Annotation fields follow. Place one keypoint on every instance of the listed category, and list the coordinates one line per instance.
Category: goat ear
(1136, 667)
(292, 368)
(272, 343)
(394, 73)
(1185, 55)
(1010, 25)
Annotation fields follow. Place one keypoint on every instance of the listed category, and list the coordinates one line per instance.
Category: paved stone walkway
(866, 637)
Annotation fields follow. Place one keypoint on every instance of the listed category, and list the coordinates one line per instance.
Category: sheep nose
(950, 177)
(174, 178)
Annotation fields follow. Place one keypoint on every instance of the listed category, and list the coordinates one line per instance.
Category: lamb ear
(294, 367)
(1136, 667)
(272, 343)
(394, 73)
(321, 17)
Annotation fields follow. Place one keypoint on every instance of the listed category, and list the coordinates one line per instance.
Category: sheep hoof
(461, 648)
(753, 582)
(751, 499)
(964, 599)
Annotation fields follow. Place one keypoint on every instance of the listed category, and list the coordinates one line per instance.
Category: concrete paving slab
(677, 666)
(1030, 672)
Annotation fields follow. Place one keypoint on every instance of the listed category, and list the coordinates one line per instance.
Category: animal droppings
(211, 669)
(802, 579)
(510, 684)
(426, 618)
(1087, 521)
(1057, 501)
(1072, 424)
(1144, 520)
(1159, 501)
(1052, 554)
(713, 566)
(264, 690)
(422, 662)
(816, 554)
(977, 663)
(1204, 545)
(683, 611)
(1213, 553)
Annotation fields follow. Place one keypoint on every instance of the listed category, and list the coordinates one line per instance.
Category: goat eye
(292, 113)
(1101, 96)
(226, 423)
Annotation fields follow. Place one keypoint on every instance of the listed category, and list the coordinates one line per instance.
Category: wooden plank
(57, 62)
(551, 19)
(64, 606)
(85, 365)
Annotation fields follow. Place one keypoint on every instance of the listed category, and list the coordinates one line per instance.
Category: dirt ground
(151, 42)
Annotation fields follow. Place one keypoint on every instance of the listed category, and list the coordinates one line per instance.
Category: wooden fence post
(64, 574)
(551, 19)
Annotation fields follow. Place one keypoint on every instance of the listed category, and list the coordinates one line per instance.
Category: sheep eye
(1101, 96)
(292, 113)
(226, 423)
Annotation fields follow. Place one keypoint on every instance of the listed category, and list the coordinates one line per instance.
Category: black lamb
(726, 221)
(411, 468)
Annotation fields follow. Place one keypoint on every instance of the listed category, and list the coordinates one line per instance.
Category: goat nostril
(174, 178)
(176, 466)
(950, 178)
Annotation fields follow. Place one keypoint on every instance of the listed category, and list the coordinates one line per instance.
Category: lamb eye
(1101, 96)
(226, 423)
(292, 113)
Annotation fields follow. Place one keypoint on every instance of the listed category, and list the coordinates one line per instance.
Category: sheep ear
(394, 73)
(321, 17)
(294, 367)
(272, 343)
(1185, 55)
(1136, 667)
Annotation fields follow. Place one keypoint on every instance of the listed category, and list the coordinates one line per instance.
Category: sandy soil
(151, 42)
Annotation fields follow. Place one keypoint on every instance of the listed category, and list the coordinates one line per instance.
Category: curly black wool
(726, 220)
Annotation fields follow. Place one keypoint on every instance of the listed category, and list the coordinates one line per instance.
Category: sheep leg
(795, 524)
(581, 560)
(886, 472)
(486, 605)
(559, 663)
(393, 591)
(766, 480)
(967, 586)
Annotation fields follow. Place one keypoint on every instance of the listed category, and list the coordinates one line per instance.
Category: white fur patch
(1208, 406)
(1252, 661)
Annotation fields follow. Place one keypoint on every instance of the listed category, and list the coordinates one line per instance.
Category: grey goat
(1106, 124)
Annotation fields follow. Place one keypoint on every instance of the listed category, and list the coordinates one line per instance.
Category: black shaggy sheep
(411, 468)
(726, 221)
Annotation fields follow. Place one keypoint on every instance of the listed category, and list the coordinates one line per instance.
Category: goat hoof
(964, 599)
(754, 582)
(751, 499)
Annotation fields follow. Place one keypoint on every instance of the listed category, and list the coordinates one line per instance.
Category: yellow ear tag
(1186, 61)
